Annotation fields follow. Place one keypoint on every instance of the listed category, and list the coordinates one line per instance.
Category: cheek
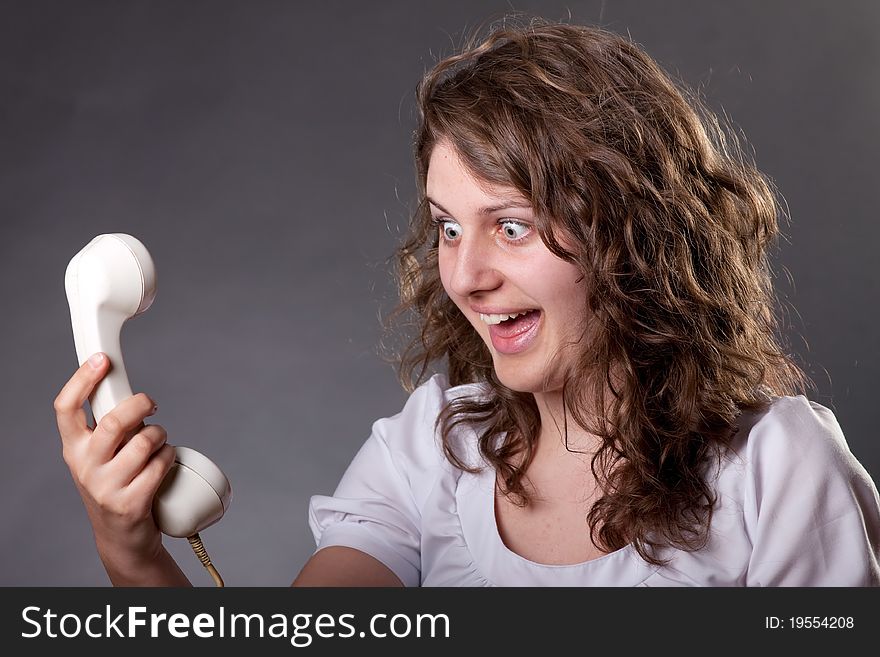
(444, 267)
(565, 292)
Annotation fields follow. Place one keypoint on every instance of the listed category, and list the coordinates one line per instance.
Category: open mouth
(516, 333)
(493, 320)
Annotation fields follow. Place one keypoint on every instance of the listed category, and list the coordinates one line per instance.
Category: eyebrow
(489, 209)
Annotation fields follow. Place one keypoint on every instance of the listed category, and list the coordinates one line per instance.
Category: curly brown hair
(670, 227)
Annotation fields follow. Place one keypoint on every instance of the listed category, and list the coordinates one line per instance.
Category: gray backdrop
(261, 151)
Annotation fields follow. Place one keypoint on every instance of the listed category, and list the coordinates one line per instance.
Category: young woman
(589, 265)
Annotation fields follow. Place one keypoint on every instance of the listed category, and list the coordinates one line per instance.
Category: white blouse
(795, 508)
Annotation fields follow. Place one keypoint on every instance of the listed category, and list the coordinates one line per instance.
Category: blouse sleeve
(812, 509)
(376, 506)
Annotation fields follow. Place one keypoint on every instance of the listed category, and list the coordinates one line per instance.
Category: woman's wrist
(157, 568)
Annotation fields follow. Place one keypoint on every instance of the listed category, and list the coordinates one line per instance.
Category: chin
(518, 378)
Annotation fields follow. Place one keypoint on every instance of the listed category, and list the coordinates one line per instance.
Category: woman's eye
(514, 230)
(451, 230)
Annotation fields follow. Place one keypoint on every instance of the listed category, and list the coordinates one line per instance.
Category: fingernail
(155, 408)
(96, 360)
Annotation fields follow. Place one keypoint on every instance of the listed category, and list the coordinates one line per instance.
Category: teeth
(497, 319)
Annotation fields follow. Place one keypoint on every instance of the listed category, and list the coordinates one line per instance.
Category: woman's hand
(117, 468)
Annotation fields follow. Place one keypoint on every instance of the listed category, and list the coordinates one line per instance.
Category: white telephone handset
(111, 280)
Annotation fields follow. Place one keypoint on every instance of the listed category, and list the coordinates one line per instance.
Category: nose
(473, 267)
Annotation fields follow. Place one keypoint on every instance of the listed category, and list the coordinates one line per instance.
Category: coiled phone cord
(196, 542)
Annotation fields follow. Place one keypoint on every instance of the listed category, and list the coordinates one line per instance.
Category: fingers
(116, 477)
(124, 420)
(69, 412)
(135, 454)
(147, 482)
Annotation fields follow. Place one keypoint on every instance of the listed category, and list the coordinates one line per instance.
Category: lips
(515, 335)
(502, 316)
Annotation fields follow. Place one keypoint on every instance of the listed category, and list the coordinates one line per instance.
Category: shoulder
(422, 408)
(412, 436)
(811, 510)
(795, 507)
(794, 444)
(379, 503)
(793, 433)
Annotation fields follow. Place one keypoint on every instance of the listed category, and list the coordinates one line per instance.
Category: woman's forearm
(161, 570)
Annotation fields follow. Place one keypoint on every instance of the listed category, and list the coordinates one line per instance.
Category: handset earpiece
(111, 280)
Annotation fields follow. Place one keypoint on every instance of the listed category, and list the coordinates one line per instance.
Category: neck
(560, 435)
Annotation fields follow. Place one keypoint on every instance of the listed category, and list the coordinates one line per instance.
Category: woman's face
(493, 264)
